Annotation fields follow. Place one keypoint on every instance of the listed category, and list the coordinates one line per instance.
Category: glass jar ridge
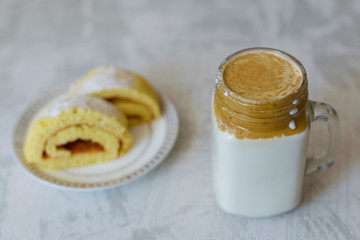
(281, 116)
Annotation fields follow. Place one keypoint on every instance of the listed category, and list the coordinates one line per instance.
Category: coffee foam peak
(262, 76)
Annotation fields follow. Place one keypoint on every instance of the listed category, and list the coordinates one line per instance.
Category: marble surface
(178, 46)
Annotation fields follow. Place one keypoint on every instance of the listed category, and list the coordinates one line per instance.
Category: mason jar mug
(259, 146)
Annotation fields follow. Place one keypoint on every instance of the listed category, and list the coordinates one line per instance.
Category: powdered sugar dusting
(63, 103)
(109, 77)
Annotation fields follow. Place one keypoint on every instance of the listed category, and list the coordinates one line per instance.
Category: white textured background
(178, 46)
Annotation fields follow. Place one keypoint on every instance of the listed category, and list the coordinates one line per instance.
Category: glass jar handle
(326, 113)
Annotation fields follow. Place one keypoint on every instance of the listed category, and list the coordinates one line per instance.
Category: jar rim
(264, 49)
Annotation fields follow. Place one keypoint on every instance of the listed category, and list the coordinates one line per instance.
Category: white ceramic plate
(151, 144)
